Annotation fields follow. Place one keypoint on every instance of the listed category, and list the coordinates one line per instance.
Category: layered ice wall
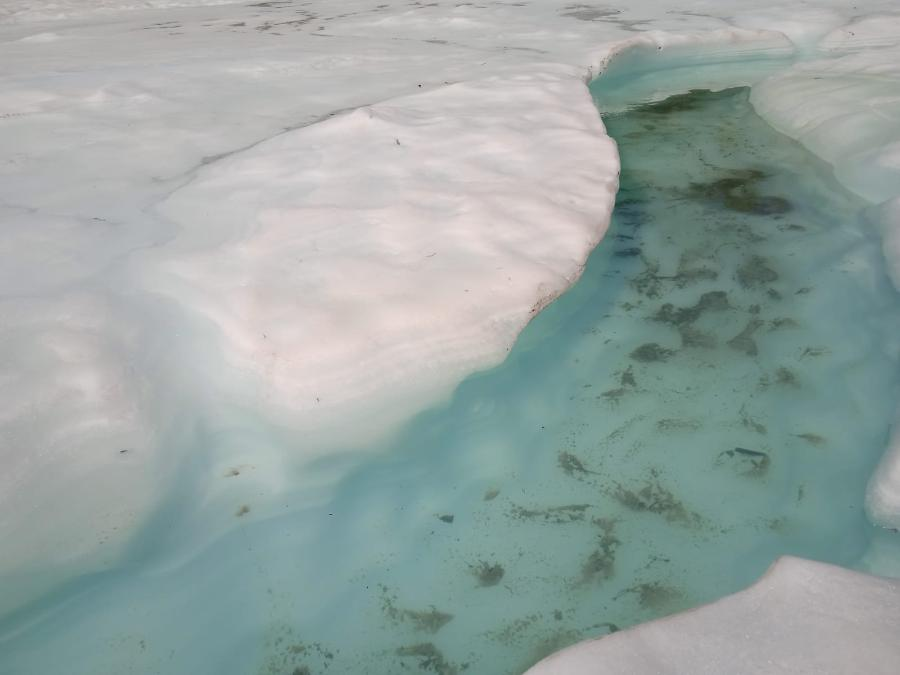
(844, 105)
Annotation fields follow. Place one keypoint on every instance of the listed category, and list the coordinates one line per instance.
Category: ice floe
(800, 617)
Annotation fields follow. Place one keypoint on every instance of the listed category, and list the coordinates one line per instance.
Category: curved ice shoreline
(97, 355)
(800, 617)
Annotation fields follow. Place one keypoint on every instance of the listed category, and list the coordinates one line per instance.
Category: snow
(436, 205)
(205, 205)
(845, 107)
(800, 617)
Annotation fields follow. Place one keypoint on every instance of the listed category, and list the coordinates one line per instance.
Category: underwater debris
(430, 658)
(738, 191)
(691, 337)
(429, 620)
(487, 574)
(447, 518)
(491, 494)
(600, 564)
(550, 644)
(713, 301)
(652, 497)
(813, 351)
(654, 594)
(648, 283)
(650, 353)
(516, 630)
(754, 462)
(751, 423)
(674, 424)
(743, 341)
(692, 100)
(571, 465)
(613, 395)
(556, 515)
(783, 322)
(756, 272)
(812, 439)
(786, 376)
(243, 510)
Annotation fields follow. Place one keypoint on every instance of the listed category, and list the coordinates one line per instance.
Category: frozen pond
(713, 393)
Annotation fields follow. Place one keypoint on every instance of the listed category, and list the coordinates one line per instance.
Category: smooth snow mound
(800, 617)
(384, 254)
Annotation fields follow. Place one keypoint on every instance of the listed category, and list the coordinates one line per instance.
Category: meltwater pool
(713, 393)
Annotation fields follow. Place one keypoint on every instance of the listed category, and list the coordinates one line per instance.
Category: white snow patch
(382, 255)
(801, 617)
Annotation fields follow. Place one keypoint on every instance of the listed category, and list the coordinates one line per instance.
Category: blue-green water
(713, 393)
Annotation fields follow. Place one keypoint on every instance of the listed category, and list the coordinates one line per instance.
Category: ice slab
(385, 253)
(801, 617)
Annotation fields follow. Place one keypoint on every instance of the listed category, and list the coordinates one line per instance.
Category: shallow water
(713, 393)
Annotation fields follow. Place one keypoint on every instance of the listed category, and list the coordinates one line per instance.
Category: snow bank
(845, 107)
(800, 617)
(384, 254)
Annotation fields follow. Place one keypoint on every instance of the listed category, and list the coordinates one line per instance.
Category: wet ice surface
(713, 393)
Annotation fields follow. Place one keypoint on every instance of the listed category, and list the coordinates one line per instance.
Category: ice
(845, 107)
(311, 254)
(800, 617)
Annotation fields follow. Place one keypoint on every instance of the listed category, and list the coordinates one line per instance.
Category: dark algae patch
(428, 658)
(572, 465)
(756, 272)
(651, 353)
(487, 574)
(652, 497)
(601, 563)
(557, 515)
(429, 620)
(753, 463)
(740, 190)
(654, 595)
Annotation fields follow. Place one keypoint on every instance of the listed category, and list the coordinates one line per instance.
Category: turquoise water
(713, 393)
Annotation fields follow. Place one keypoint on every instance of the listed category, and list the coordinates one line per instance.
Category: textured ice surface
(801, 617)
